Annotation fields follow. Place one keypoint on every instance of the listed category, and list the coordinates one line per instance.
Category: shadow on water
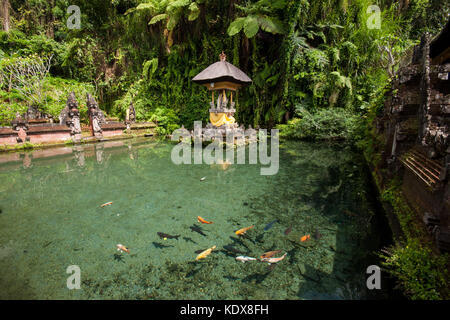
(161, 246)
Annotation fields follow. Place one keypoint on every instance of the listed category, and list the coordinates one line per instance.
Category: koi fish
(200, 219)
(203, 179)
(205, 253)
(122, 247)
(270, 225)
(270, 254)
(288, 230)
(274, 260)
(304, 238)
(106, 204)
(245, 258)
(166, 236)
(243, 230)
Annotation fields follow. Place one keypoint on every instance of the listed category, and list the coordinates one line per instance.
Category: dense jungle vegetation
(318, 61)
(319, 68)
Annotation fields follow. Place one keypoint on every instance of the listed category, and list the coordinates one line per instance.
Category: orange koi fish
(106, 204)
(123, 248)
(304, 238)
(270, 254)
(205, 253)
(200, 219)
(243, 230)
(274, 260)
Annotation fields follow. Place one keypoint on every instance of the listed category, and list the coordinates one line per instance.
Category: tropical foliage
(319, 68)
(314, 54)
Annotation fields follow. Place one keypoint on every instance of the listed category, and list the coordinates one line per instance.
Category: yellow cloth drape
(219, 119)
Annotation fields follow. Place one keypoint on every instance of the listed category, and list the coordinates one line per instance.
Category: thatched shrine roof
(222, 71)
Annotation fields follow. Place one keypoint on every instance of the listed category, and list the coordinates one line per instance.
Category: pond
(51, 218)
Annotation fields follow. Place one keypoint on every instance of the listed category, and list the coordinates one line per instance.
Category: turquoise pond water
(51, 218)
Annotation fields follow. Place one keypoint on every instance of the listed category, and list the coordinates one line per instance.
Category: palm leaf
(251, 26)
(144, 6)
(195, 11)
(270, 24)
(236, 26)
(178, 4)
(158, 18)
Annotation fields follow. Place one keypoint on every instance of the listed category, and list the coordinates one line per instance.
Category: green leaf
(270, 24)
(173, 20)
(178, 4)
(236, 26)
(195, 11)
(251, 26)
(158, 18)
(144, 6)
(278, 4)
(131, 10)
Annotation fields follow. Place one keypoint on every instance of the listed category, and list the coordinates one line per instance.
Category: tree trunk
(245, 53)
(51, 21)
(4, 15)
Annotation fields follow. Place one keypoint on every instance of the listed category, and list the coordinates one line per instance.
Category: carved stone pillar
(21, 126)
(131, 116)
(70, 116)
(96, 117)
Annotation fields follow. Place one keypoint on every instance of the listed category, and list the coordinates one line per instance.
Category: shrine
(225, 79)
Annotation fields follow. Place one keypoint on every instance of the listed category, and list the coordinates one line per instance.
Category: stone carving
(417, 134)
(132, 113)
(33, 113)
(96, 116)
(21, 126)
(131, 116)
(70, 116)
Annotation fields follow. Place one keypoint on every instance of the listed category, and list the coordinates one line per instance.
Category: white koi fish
(274, 260)
(245, 258)
(122, 247)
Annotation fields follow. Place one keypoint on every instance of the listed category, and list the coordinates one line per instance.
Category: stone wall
(415, 126)
(38, 128)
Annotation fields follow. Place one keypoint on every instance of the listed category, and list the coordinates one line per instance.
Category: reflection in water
(79, 155)
(27, 160)
(101, 151)
(99, 154)
(56, 221)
